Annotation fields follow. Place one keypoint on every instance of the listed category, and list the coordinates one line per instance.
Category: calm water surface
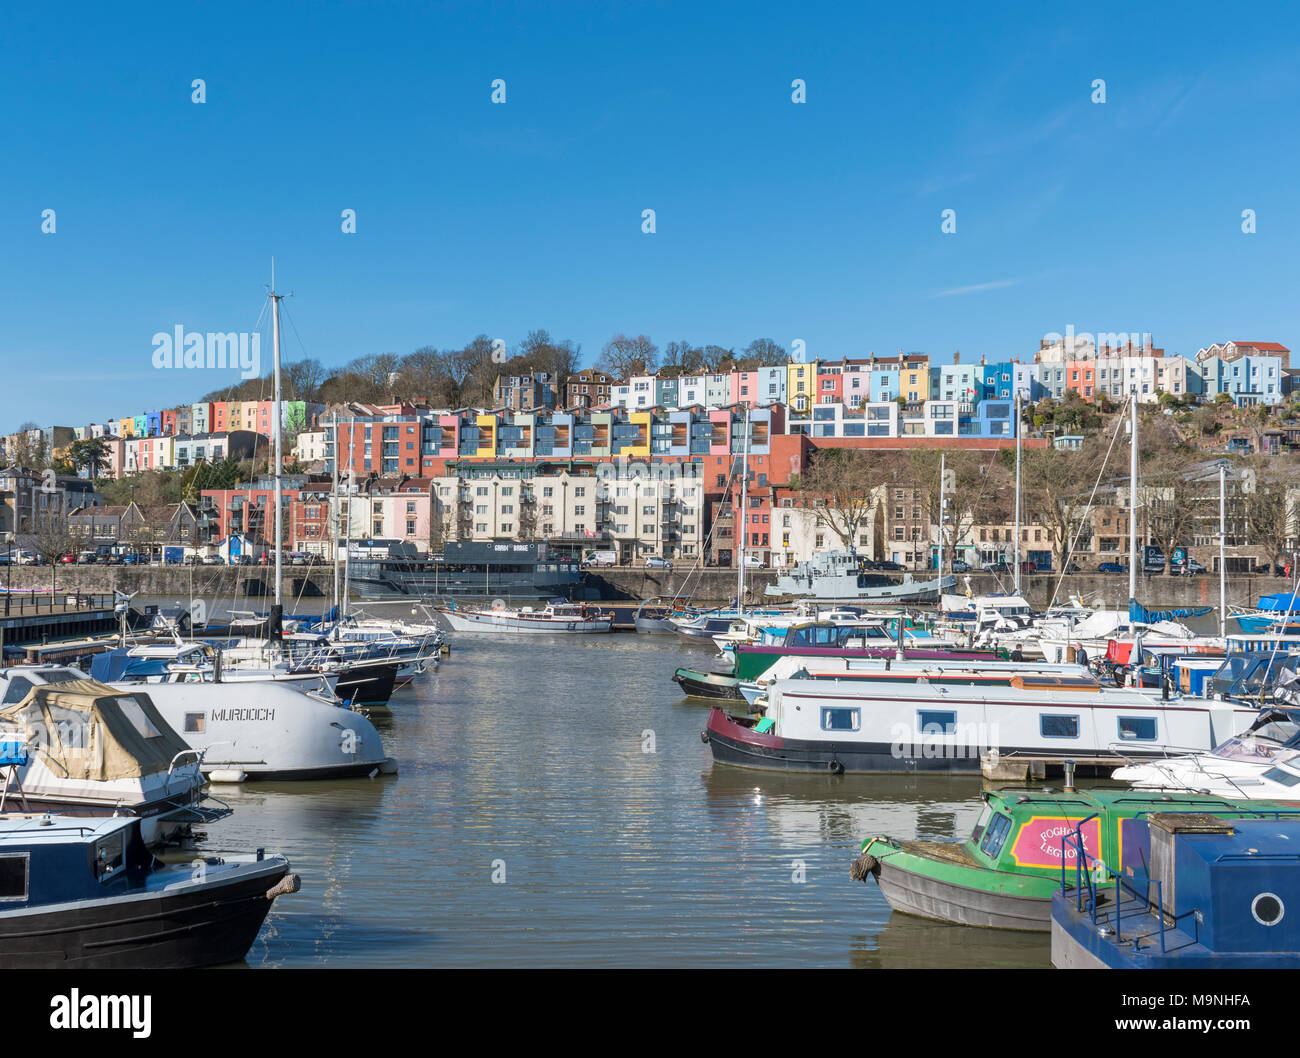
(530, 752)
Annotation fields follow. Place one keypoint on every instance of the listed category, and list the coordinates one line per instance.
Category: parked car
(890, 567)
(297, 558)
(961, 567)
(655, 562)
(1188, 568)
(996, 567)
(69, 558)
(213, 560)
(754, 562)
(1111, 567)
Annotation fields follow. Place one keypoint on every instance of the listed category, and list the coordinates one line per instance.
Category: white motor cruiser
(557, 617)
(260, 729)
(76, 746)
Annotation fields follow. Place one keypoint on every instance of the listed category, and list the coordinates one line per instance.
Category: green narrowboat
(1003, 876)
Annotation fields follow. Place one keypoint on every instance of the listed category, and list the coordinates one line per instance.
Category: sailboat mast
(334, 511)
(1223, 537)
(943, 516)
(1017, 550)
(742, 527)
(1133, 499)
(278, 457)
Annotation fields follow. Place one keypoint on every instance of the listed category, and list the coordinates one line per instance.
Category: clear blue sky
(818, 221)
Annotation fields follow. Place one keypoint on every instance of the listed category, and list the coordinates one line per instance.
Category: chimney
(956, 357)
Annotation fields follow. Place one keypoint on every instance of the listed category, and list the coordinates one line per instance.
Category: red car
(69, 557)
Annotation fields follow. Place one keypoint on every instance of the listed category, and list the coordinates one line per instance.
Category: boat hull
(488, 621)
(737, 745)
(205, 926)
(926, 896)
(368, 685)
(708, 685)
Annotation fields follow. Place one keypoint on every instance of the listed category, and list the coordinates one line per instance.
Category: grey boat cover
(88, 730)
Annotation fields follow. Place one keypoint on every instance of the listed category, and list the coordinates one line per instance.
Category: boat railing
(1088, 891)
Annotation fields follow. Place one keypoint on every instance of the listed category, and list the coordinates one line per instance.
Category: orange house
(1081, 376)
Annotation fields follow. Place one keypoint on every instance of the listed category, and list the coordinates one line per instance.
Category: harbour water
(572, 771)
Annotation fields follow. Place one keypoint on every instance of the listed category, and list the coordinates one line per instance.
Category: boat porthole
(1268, 909)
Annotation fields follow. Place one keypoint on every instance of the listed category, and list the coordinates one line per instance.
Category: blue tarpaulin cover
(1138, 612)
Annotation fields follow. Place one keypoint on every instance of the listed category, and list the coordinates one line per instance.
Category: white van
(600, 558)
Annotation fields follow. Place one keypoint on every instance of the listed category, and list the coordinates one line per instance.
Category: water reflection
(528, 761)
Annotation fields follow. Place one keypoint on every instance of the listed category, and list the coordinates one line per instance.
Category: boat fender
(835, 767)
(864, 867)
(704, 735)
(290, 883)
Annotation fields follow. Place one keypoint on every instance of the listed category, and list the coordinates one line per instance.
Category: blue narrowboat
(1193, 890)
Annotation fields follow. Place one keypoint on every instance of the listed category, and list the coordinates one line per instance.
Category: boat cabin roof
(27, 828)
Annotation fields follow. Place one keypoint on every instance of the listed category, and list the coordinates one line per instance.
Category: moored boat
(1194, 890)
(88, 894)
(79, 747)
(909, 719)
(1003, 876)
(558, 617)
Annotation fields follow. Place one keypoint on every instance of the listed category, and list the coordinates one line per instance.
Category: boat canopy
(1138, 612)
(1279, 602)
(92, 731)
(114, 666)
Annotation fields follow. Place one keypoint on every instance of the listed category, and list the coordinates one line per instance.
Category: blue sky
(818, 221)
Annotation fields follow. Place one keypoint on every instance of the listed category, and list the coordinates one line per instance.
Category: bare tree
(1270, 505)
(52, 537)
(624, 357)
(839, 488)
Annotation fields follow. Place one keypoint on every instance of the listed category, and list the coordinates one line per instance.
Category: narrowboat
(1004, 875)
(88, 894)
(910, 720)
(1191, 890)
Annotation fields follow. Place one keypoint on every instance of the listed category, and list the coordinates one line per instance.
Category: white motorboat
(260, 729)
(1262, 763)
(77, 746)
(555, 618)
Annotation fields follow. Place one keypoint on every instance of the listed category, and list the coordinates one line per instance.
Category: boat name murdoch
(237, 715)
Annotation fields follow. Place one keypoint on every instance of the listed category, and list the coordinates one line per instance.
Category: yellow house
(641, 420)
(801, 382)
(914, 379)
(487, 434)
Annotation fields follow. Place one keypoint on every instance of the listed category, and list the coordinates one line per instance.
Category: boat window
(17, 690)
(194, 721)
(13, 875)
(132, 711)
(936, 722)
(1137, 728)
(1282, 777)
(980, 824)
(109, 856)
(1055, 725)
(840, 719)
(995, 836)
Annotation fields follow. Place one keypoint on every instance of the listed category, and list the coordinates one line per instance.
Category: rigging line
(1069, 554)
